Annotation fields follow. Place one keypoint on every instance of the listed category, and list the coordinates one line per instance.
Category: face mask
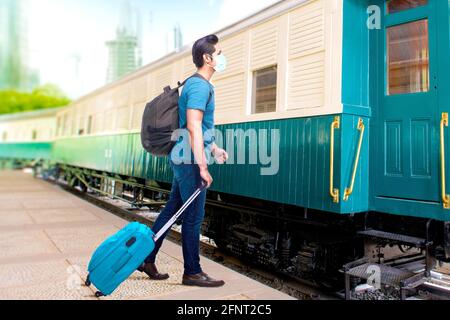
(221, 63)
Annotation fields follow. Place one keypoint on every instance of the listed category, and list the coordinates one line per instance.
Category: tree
(43, 97)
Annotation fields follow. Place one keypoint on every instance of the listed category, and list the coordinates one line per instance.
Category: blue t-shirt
(197, 93)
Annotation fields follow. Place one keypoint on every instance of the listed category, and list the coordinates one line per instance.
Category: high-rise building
(122, 55)
(174, 39)
(178, 37)
(125, 52)
(14, 70)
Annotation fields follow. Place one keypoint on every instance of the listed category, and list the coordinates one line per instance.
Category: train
(357, 92)
(26, 138)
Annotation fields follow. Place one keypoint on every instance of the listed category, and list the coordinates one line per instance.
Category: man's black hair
(202, 46)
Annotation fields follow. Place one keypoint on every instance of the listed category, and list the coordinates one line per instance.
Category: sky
(62, 32)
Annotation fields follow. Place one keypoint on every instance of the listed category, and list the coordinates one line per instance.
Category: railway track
(296, 288)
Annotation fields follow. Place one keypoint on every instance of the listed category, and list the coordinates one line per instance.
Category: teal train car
(27, 137)
(335, 116)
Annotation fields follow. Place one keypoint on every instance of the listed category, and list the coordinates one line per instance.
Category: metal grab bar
(349, 191)
(334, 193)
(445, 196)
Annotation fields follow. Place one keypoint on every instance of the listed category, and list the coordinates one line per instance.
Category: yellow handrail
(445, 196)
(349, 191)
(334, 193)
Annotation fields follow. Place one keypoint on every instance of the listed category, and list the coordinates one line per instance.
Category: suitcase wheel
(98, 294)
(88, 282)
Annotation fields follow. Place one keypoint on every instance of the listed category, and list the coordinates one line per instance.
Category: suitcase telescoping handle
(170, 223)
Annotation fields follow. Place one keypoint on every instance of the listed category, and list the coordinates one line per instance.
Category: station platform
(48, 235)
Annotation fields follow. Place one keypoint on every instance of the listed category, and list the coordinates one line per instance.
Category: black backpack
(160, 120)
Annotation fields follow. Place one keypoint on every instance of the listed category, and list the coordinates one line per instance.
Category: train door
(406, 118)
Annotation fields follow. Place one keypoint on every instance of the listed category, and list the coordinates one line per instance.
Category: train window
(89, 126)
(394, 6)
(408, 58)
(65, 125)
(34, 135)
(5, 136)
(58, 126)
(264, 90)
(123, 118)
(81, 126)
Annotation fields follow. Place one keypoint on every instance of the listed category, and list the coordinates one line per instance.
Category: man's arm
(194, 119)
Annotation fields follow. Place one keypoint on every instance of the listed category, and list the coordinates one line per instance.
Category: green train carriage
(357, 90)
(27, 138)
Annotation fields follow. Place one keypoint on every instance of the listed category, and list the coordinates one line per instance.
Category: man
(189, 162)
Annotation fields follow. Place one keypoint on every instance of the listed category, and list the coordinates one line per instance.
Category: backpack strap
(195, 75)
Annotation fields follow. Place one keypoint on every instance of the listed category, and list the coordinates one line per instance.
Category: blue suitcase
(123, 253)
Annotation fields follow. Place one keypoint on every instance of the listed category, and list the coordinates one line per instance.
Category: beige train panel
(105, 116)
(188, 67)
(67, 122)
(58, 125)
(82, 114)
(73, 125)
(99, 102)
(110, 120)
(264, 44)
(150, 85)
(123, 118)
(162, 78)
(307, 30)
(306, 82)
(19, 131)
(78, 121)
(108, 102)
(139, 90)
(333, 55)
(122, 108)
(81, 124)
(121, 96)
(64, 116)
(178, 73)
(138, 112)
(98, 123)
(232, 115)
(230, 93)
(236, 51)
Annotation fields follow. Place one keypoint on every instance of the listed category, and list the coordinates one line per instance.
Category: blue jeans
(186, 181)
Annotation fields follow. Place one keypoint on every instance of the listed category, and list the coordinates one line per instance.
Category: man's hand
(220, 155)
(204, 174)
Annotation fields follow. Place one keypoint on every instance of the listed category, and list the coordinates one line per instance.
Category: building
(125, 53)
(14, 70)
(122, 55)
(178, 37)
(174, 39)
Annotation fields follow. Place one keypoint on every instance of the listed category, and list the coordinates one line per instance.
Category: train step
(412, 241)
(387, 275)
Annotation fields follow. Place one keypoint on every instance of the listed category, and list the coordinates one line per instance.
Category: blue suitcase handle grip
(203, 185)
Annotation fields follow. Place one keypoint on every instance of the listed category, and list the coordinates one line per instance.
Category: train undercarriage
(304, 244)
